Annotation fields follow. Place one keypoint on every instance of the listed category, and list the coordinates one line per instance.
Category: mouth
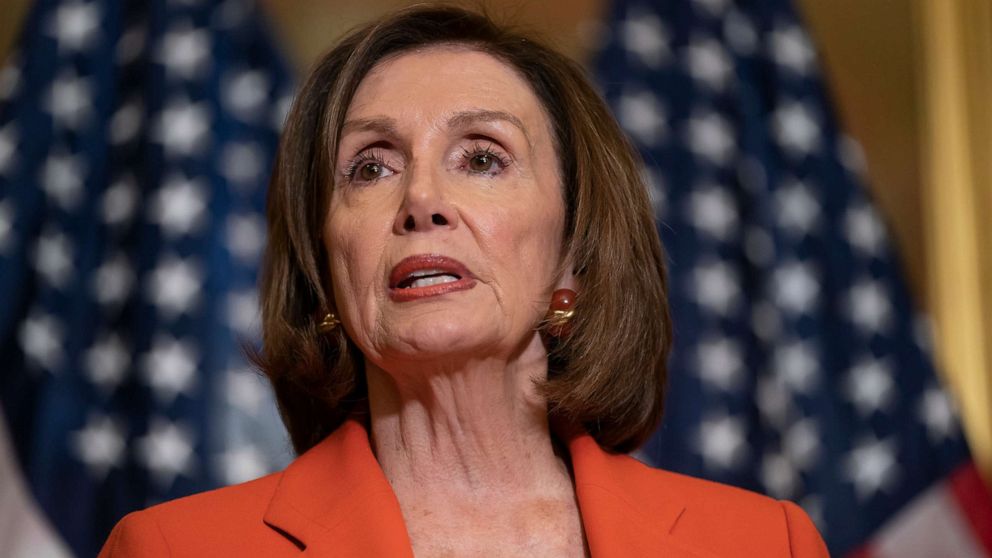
(428, 275)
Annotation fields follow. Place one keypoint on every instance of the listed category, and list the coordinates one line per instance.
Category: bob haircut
(608, 375)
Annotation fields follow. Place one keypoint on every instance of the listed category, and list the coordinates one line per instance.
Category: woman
(443, 190)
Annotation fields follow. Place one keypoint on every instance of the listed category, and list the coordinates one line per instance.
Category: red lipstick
(428, 275)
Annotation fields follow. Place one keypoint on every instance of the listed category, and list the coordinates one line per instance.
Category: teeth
(433, 280)
(425, 273)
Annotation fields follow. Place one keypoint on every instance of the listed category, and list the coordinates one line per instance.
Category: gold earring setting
(328, 324)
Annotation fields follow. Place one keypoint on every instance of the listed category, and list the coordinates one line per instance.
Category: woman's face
(445, 225)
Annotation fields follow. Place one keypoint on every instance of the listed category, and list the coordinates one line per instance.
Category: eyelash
(375, 155)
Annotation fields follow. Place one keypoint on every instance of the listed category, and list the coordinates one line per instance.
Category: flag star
(244, 236)
(6, 226)
(813, 506)
(656, 189)
(185, 51)
(245, 390)
(241, 464)
(774, 402)
(797, 365)
(796, 128)
(790, 47)
(642, 116)
(766, 320)
(721, 363)
(10, 78)
(106, 362)
(714, 8)
(52, 258)
(708, 63)
(851, 155)
(41, 337)
(242, 164)
(871, 467)
(62, 178)
(120, 201)
(175, 286)
(74, 25)
(242, 312)
(722, 442)
(937, 412)
(714, 211)
(923, 333)
(170, 368)
(868, 306)
(645, 37)
(864, 229)
(8, 146)
(797, 210)
(759, 248)
(739, 33)
(231, 14)
(131, 44)
(795, 288)
(179, 207)
(711, 137)
(100, 444)
(70, 100)
(869, 385)
(280, 111)
(126, 122)
(245, 93)
(801, 443)
(167, 451)
(182, 127)
(779, 476)
(716, 287)
(113, 280)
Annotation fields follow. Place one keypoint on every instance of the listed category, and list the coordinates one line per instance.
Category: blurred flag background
(135, 141)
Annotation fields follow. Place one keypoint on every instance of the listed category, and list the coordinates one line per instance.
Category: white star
(721, 442)
(656, 190)
(801, 443)
(796, 363)
(10, 78)
(62, 178)
(244, 236)
(246, 390)
(281, 110)
(708, 63)
(120, 201)
(126, 122)
(739, 33)
(6, 226)
(813, 506)
(790, 47)
(796, 128)
(759, 248)
(795, 288)
(642, 116)
(242, 164)
(864, 229)
(70, 100)
(851, 155)
(766, 320)
(52, 258)
(714, 8)
(868, 306)
(714, 211)
(797, 210)
(721, 363)
(183, 127)
(241, 464)
(869, 385)
(242, 312)
(75, 25)
(179, 207)
(113, 280)
(871, 466)
(106, 362)
(40, 337)
(175, 285)
(8, 146)
(131, 44)
(170, 368)
(774, 402)
(645, 37)
(185, 51)
(716, 287)
(100, 444)
(937, 412)
(245, 93)
(711, 138)
(779, 476)
(167, 451)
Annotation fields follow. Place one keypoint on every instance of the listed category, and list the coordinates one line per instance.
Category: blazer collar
(335, 500)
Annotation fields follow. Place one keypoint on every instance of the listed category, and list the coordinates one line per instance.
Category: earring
(560, 313)
(328, 324)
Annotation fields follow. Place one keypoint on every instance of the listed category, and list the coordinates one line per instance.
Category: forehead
(427, 84)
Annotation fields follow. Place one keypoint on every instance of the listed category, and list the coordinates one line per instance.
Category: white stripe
(931, 525)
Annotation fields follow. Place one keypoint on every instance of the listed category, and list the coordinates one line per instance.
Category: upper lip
(427, 262)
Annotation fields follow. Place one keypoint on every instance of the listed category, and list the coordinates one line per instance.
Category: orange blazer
(335, 501)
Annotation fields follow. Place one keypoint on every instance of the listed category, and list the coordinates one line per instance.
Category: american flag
(800, 368)
(135, 143)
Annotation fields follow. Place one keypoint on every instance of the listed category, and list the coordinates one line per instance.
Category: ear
(568, 279)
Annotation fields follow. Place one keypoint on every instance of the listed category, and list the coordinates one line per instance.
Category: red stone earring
(560, 313)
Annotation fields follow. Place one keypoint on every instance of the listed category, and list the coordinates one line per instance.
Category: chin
(440, 337)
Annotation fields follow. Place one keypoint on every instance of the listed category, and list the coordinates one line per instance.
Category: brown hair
(609, 375)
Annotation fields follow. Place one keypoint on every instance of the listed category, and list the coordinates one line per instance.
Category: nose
(425, 207)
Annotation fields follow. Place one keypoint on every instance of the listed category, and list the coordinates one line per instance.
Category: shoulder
(228, 518)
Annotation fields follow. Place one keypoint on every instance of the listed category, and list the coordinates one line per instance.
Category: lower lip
(417, 293)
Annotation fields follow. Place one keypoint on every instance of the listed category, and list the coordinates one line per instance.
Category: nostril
(409, 224)
(438, 219)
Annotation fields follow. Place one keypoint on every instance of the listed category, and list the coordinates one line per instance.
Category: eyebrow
(387, 126)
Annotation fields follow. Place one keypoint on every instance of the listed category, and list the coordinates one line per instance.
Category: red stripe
(975, 500)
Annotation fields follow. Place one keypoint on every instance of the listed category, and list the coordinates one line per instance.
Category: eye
(367, 166)
(485, 160)
(481, 162)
